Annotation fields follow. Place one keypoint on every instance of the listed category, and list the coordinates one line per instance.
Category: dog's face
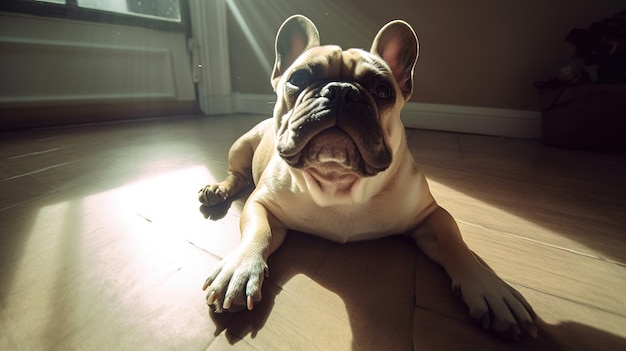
(335, 100)
(338, 112)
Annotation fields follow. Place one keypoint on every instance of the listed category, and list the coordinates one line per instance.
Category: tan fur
(315, 172)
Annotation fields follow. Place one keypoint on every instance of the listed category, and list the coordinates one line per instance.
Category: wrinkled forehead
(331, 62)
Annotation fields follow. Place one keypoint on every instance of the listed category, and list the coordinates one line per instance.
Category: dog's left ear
(397, 44)
(296, 35)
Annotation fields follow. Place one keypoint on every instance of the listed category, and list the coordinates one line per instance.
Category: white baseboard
(216, 104)
(260, 104)
(473, 120)
(452, 118)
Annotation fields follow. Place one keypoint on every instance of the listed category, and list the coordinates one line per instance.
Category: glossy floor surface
(103, 247)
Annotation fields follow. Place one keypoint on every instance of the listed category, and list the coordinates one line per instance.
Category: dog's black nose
(340, 91)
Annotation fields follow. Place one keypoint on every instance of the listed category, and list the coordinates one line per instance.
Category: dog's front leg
(489, 298)
(236, 281)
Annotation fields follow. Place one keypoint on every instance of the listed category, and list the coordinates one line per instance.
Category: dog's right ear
(296, 35)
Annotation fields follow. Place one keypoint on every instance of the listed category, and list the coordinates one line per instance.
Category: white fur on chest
(375, 211)
(344, 223)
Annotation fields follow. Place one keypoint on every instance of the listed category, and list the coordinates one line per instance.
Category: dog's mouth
(331, 160)
(331, 146)
(333, 153)
(333, 138)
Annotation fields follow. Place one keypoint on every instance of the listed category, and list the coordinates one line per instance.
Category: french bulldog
(333, 162)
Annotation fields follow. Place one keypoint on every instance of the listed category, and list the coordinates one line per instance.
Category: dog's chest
(345, 223)
(374, 213)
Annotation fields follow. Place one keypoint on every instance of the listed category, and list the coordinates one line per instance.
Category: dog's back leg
(239, 168)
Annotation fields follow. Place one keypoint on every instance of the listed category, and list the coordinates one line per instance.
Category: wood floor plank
(576, 221)
(433, 331)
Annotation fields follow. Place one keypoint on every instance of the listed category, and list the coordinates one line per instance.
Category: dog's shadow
(372, 283)
(393, 297)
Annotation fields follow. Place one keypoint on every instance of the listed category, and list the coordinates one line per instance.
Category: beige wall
(476, 53)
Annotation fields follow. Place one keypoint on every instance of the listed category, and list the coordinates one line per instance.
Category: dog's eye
(383, 91)
(299, 79)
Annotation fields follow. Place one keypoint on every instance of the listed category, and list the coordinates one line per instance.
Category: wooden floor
(103, 247)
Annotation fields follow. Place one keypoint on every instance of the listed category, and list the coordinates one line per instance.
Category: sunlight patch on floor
(500, 220)
(38, 272)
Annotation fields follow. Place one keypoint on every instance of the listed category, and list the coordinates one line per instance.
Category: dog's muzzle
(337, 122)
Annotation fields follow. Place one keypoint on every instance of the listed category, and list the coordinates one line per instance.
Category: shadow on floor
(375, 280)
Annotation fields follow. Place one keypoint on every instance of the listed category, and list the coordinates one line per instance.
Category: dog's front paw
(496, 304)
(236, 282)
(212, 194)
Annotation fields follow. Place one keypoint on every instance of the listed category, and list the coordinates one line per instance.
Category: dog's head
(338, 111)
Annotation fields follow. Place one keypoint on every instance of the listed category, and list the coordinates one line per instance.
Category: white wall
(49, 61)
